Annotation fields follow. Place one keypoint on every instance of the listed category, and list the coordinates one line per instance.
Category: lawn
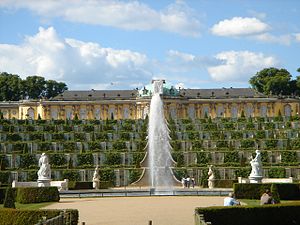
(31, 206)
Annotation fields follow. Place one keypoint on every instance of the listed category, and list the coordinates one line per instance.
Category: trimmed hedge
(78, 185)
(254, 191)
(251, 215)
(29, 217)
(37, 194)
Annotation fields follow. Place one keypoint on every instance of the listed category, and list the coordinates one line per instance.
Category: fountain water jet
(158, 161)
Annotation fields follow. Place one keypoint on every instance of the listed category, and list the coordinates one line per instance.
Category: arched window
(263, 111)
(30, 113)
(173, 112)
(126, 113)
(191, 112)
(249, 111)
(287, 110)
(234, 112)
(111, 113)
(205, 111)
(82, 114)
(69, 114)
(97, 114)
(54, 114)
(220, 111)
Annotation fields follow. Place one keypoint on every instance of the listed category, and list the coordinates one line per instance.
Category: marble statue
(211, 177)
(44, 172)
(256, 171)
(96, 179)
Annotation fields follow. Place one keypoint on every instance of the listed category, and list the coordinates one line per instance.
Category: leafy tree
(53, 88)
(11, 87)
(273, 81)
(34, 86)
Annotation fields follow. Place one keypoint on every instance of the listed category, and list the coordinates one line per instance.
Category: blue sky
(125, 44)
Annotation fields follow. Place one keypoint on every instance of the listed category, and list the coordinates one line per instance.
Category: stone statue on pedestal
(211, 177)
(96, 179)
(256, 171)
(44, 173)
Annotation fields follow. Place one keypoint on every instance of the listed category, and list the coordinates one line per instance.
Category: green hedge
(254, 191)
(78, 185)
(251, 215)
(37, 194)
(29, 217)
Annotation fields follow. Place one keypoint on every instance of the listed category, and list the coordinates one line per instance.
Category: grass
(31, 206)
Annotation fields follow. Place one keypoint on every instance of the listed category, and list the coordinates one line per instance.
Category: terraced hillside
(75, 147)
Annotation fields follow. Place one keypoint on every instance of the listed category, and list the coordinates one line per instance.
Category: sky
(110, 44)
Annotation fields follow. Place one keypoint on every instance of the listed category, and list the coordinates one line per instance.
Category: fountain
(158, 161)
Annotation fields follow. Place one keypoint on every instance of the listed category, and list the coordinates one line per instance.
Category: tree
(11, 87)
(272, 81)
(53, 88)
(34, 86)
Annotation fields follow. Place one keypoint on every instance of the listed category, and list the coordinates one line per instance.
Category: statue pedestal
(255, 179)
(96, 183)
(43, 182)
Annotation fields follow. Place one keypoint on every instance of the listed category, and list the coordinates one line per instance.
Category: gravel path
(162, 210)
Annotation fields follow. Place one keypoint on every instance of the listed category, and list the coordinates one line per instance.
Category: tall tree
(11, 87)
(54, 88)
(272, 81)
(34, 87)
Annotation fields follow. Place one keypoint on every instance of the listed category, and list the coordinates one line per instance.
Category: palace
(134, 104)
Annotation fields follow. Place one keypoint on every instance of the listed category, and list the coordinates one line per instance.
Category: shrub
(112, 158)
(251, 215)
(58, 160)
(25, 216)
(28, 161)
(9, 201)
(276, 172)
(134, 175)
(85, 159)
(275, 194)
(289, 156)
(231, 157)
(179, 158)
(72, 175)
(107, 175)
(254, 191)
(79, 185)
(37, 194)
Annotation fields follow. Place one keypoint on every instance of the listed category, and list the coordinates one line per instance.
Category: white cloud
(239, 26)
(129, 15)
(86, 64)
(239, 65)
(297, 37)
(269, 38)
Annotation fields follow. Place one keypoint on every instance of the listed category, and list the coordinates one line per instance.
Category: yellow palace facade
(135, 104)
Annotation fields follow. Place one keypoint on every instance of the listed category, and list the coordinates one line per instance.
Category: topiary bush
(26, 217)
(250, 215)
(9, 201)
(37, 194)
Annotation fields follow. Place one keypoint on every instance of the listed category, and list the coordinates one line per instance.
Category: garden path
(162, 210)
